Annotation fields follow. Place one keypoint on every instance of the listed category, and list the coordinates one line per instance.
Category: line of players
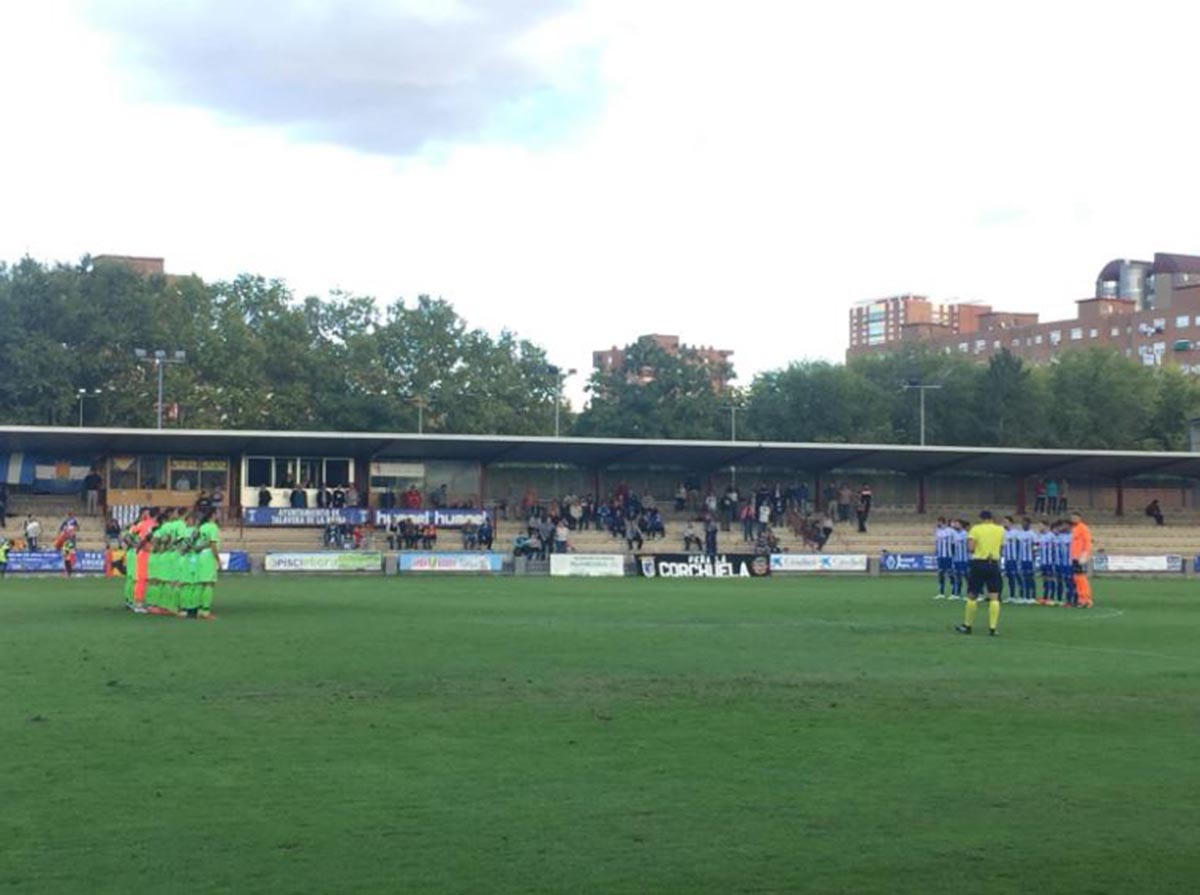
(171, 564)
(1025, 555)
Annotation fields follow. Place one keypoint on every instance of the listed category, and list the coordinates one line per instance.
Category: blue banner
(91, 561)
(447, 518)
(908, 562)
(237, 561)
(312, 517)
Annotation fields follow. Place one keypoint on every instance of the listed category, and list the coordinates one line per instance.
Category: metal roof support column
(920, 494)
(1120, 497)
(1021, 497)
(818, 497)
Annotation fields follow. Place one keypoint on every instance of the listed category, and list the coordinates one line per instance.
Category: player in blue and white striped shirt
(1028, 582)
(961, 557)
(1010, 557)
(943, 548)
(1066, 575)
(1045, 558)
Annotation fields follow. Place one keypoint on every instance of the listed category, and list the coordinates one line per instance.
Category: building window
(1055, 336)
(1160, 324)
(1116, 331)
(1016, 343)
(1093, 333)
(963, 346)
(1037, 340)
(1182, 321)
(1076, 333)
(980, 344)
(996, 345)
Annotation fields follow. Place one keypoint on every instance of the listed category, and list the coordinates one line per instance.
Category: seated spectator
(470, 536)
(338, 499)
(1154, 511)
(691, 538)
(561, 533)
(429, 537)
(359, 536)
(654, 525)
(485, 535)
(393, 534)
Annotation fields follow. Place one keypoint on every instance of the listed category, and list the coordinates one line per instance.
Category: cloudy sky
(583, 171)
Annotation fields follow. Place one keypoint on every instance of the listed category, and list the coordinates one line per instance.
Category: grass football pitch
(479, 735)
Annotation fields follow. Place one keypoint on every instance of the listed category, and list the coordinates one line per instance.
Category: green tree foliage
(656, 394)
(256, 357)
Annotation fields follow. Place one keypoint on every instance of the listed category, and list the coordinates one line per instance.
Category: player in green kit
(185, 542)
(161, 595)
(208, 564)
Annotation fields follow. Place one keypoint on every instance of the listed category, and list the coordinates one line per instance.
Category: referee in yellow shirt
(984, 541)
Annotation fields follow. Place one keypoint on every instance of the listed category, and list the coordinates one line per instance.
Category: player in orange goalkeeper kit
(1081, 553)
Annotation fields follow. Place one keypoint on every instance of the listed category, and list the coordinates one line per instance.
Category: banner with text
(587, 565)
(235, 561)
(699, 565)
(90, 561)
(456, 518)
(449, 562)
(818, 562)
(908, 562)
(311, 517)
(330, 561)
(1104, 562)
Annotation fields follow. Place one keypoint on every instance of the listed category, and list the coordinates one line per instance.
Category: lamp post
(160, 358)
(421, 404)
(561, 379)
(82, 394)
(922, 389)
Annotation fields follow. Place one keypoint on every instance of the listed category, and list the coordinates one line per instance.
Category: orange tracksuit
(1081, 550)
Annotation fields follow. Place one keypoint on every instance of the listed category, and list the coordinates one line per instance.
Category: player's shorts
(1047, 571)
(1027, 566)
(1010, 567)
(984, 577)
(960, 568)
(944, 563)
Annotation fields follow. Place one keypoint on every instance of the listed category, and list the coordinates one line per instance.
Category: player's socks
(993, 614)
(969, 612)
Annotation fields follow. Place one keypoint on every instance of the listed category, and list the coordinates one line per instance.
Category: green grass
(412, 735)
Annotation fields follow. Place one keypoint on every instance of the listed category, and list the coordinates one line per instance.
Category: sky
(585, 171)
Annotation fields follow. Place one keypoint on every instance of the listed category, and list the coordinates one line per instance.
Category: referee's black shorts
(983, 577)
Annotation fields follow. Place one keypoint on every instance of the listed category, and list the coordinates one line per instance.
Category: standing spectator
(764, 516)
(264, 496)
(729, 505)
(561, 533)
(691, 538)
(843, 502)
(829, 495)
(802, 498)
(1052, 495)
(1062, 496)
(352, 496)
(485, 536)
(710, 535)
(861, 511)
(748, 518)
(91, 489)
(337, 500)
(826, 527)
(680, 497)
(298, 500)
(1154, 511)
(33, 531)
(1039, 496)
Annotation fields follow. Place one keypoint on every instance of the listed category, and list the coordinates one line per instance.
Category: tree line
(258, 357)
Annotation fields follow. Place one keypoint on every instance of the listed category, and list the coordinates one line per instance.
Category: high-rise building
(1149, 310)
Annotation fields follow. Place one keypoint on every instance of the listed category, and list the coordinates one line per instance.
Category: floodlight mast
(922, 389)
(160, 357)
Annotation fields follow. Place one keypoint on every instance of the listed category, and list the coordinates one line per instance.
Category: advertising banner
(235, 561)
(91, 561)
(908, 562)
(330, 561)
(449, 562)
(311, 517)
(1103, 562)
(818, 562)
(698, 565)
(587, 565)
(441, 518)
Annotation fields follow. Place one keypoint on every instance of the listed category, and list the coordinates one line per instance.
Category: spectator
(352, 496)
(561, 532)
(748, 519)
(33, 531)
(802, 498)
(1052, 495)
(710, 535)
(1039, 498)
(764, 516)
(654, 525)
(710, 504)
(264, 496)
(843, 502)
(393, 533)
(112, 531)
(826, 527)
(633, 533)
(91, 490)
(485, 535)
(729, 503)
(1154, 511)
(691, 538)
(1062, 496)
(861, 510)
(359, 535)
(298, 500)
(545, 531)
(429, 537)
(680, 497)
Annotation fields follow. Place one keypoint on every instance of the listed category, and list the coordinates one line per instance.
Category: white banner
(587, 565)
(344, 561)
(392, 469)
(1109, 563)
(818, 562)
